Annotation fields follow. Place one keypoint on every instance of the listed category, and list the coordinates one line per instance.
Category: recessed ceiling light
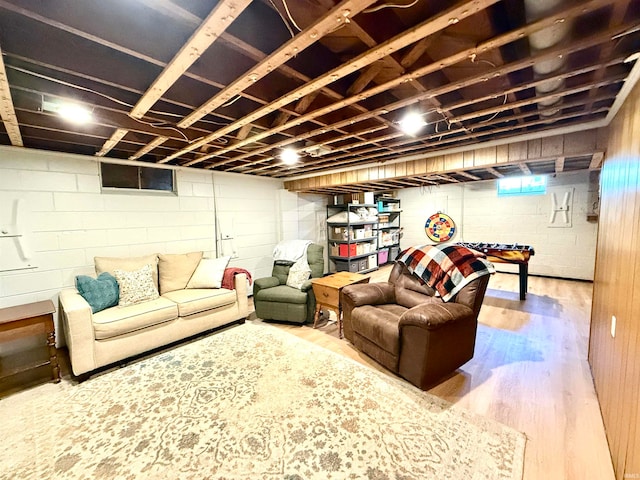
(289, 156)
(412, 123)
(74, 113)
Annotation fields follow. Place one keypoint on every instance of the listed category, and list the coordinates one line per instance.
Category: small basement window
(529, 185)
(134, 177)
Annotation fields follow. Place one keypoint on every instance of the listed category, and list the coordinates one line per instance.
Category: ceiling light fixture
(412, 123)
(75, 113)
(72, 112)
(289, 156)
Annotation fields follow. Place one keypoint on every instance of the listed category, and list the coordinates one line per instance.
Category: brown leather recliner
(403, 326)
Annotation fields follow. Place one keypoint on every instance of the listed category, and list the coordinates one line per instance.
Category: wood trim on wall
(525, 153)
(615, 360)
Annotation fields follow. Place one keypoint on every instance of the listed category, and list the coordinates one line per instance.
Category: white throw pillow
(298, 274)
(136, 286)
(209, 273)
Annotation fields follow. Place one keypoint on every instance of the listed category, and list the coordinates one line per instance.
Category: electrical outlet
(613, 326)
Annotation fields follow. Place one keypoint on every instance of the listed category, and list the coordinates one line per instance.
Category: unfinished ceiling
(228, 85)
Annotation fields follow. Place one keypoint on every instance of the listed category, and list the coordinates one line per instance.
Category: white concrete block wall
(72, 221)
(482, 216)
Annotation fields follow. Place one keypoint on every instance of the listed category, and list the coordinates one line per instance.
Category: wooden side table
(327, 293)
(26, 321)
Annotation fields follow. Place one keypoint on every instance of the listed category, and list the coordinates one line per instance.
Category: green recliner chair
(274, 300)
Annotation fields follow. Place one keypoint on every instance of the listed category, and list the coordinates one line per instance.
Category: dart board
(439, 227)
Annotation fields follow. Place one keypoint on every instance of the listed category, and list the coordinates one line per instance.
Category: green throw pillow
(101, 292)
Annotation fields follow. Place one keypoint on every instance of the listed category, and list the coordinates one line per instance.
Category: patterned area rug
(251, 402)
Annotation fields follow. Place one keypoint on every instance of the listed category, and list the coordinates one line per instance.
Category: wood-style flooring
(529, 371)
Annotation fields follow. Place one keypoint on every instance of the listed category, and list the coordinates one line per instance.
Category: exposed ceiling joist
(468, 67)
(7, 112)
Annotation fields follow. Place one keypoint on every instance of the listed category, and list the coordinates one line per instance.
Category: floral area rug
(251, 402)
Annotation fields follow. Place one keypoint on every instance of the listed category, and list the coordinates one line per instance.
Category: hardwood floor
(530, 372)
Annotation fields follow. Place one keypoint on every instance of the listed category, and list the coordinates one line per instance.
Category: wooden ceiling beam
(596, 161)
(365, 78)
(371, 154)
(539, 98)
(397, 146)
(467, 103)
(494, 172)
(442, 63)
(468, 175)
(434, 24)
(115, 138)
(325, 25)
(375, 155)
(159, 140)
(617, 17)
(525, 168)
(7, 111)
(220, 18)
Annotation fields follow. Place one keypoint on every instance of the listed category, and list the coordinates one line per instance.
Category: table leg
(339, 312)
(524, 279)
(317, 315)
(53, 356)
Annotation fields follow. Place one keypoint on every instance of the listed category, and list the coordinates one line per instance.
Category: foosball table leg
(524, 279)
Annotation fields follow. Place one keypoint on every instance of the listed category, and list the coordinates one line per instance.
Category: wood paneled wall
(615, 361)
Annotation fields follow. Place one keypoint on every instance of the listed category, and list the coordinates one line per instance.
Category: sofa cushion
(120, 320)
(379, 325)
(102, 292)
(281, 293)
(136, 286)
(209, 273)
(110, 264)
(175, 270)
(197, 300)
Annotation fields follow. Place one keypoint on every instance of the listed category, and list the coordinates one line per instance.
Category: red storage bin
(348, 249)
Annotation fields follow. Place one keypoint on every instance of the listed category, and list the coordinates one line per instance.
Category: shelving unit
(352, 245)
(389, 228)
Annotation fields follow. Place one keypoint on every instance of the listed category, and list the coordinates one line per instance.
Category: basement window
(529, 185)
(137, 178)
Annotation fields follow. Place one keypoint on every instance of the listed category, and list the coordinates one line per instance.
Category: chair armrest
(432, 316)
(266, 282)
(368, 294)
(78, 328)
(306, 286)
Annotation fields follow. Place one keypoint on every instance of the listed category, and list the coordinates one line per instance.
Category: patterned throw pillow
(136, 286)
(298, 274)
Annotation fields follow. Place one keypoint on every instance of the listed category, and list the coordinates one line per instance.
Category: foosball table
(507, 253)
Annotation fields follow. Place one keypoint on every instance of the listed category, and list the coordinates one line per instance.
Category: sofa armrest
(240, 286)
(78, 327)
(368, 294)
(432, 316)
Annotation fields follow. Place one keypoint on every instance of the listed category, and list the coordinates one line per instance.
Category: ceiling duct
(541, 40)
(314, 150)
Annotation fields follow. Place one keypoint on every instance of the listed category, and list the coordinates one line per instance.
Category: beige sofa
(115, 333)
